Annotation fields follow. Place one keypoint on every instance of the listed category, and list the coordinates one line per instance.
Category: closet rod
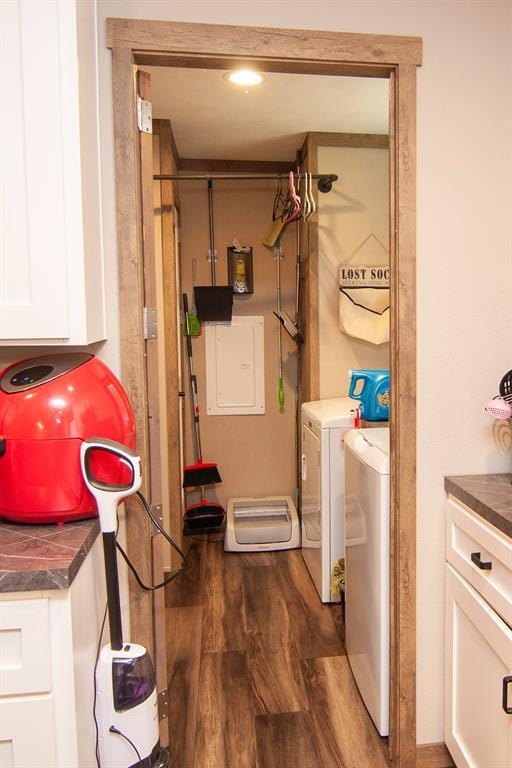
(325, 180)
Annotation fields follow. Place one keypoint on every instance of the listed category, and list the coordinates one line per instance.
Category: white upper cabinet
(51, 261)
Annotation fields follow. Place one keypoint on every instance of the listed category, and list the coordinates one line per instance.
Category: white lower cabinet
(48, 643)
(478, 657)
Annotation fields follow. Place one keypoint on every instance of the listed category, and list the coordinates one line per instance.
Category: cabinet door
(25, 663)
(34, 286)
(27, 738)
(478, 732)
(51, 258)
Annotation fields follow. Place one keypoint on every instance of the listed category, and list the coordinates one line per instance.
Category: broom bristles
(201, 474)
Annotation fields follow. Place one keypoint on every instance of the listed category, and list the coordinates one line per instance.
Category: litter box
(261, 523)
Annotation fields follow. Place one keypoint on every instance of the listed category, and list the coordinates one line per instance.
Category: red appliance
(48, 406)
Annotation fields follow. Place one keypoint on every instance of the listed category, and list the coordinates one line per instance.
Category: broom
(204, 515)
(201, 473)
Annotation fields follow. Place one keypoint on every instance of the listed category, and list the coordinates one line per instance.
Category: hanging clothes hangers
(279, 206)
(311, 196)
(306, 205)
(294, 203)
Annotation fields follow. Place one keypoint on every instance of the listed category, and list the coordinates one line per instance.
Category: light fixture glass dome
(244, 77)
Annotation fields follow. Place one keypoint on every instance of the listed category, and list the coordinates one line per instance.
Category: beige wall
(357, 207)
(255, 454)
(464, 242)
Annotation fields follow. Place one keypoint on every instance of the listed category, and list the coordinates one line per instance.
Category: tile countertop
(37, 557)
(490, 496)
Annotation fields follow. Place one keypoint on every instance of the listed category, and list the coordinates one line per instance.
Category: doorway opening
(150, 43)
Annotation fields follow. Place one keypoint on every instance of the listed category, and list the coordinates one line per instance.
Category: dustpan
(204, 517)
(214, 302)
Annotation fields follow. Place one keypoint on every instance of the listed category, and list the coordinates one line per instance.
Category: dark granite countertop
(36, 557)
(490, 496)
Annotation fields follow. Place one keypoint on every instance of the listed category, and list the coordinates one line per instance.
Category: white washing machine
(367, 567)
(324, 424)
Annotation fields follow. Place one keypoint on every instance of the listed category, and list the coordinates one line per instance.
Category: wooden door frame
(162, 43)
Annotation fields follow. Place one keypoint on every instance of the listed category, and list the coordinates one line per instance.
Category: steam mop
(126, 700)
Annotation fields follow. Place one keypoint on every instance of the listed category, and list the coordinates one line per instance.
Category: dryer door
(311, 506)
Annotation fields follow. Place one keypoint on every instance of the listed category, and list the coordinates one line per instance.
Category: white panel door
(312, 506)
(478, 731)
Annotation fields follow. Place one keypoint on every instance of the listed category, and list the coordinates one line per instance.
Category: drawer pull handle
(484, 566)
(504, 703)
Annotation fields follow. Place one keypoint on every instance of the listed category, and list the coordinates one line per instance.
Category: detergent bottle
(372, 389)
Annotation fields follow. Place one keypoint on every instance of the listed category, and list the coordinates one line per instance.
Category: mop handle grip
(195, 399)
(281, 392)
(109, 494)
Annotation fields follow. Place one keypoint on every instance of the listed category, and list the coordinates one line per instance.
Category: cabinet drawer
(25, 665)
(482, 555)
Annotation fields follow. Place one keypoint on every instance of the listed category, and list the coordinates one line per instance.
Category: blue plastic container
(372, 389)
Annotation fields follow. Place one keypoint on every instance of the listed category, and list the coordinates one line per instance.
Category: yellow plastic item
(337, 576)
(274, 233)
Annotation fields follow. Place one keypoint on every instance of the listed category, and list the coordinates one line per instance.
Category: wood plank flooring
(258, 676)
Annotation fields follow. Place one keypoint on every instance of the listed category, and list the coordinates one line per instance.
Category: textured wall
(357, 208)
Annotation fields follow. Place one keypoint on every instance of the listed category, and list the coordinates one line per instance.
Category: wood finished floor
(258, 676)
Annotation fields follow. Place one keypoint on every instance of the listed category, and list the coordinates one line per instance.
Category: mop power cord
(174, 574)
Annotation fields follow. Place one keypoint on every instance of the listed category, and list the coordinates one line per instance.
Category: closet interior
(271, 210)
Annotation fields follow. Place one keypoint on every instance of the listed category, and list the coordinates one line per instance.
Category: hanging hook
(325, 183)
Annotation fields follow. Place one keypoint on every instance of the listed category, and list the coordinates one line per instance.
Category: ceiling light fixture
(244, 77)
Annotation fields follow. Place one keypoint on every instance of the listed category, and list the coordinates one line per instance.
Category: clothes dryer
(324, 424)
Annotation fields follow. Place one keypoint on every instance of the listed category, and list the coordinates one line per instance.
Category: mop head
(202, 473)
(290, 327)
